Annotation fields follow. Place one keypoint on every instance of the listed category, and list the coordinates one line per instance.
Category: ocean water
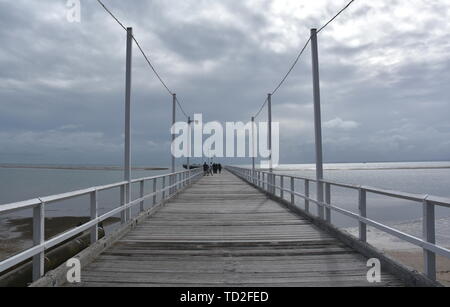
(22, 184)
(419, 177)
(416, 177)
(431, 178)
(18, 184)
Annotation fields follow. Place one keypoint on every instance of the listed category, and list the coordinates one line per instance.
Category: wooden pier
(223, 232)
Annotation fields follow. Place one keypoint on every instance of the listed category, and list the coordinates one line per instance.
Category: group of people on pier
(212, 168)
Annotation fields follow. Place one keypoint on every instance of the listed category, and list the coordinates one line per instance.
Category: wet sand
(16, 234)
(414, 259)
(407, 253)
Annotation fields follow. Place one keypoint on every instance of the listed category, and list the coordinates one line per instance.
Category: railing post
(269, 187)
(122, 203)
(163, 188)
(274, 184)
(363, 213)
(128, 200)
(282, 187)
(154, 191)
(307, 195)
(94, 215)
(141, 195)
(328, 202)
(38, 239)
(292, 191)
(269, 181)
(429, 235)
(175, 183)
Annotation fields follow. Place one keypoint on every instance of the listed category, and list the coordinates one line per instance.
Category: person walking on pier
(219, 167)
(205, 169)
(211, 169)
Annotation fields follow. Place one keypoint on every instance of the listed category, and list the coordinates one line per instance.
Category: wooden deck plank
(223, 232)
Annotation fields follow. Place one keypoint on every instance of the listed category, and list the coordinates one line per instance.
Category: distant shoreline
(82, 168)
(364, 168)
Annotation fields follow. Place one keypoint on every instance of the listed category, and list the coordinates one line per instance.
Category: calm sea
(19, 184)
(419, 177)
(431, 178)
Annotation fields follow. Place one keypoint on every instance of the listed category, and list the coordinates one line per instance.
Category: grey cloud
(62, 84)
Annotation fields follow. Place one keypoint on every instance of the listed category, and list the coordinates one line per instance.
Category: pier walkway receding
(224, 232)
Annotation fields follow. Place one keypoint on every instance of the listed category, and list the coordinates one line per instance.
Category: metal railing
(40, 245)
(267, 182)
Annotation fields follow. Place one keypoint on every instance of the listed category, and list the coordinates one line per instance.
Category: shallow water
(431, 178)
(22, 183)
(424, 178)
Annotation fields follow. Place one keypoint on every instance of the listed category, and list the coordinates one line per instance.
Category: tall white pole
(188, 164)
(127, 162)
(188, 144)
(317, 120)
(174, 106)
(174, 109)
(253, 149)
(269, 110)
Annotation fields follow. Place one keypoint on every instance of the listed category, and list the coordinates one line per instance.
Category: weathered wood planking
(223, 232)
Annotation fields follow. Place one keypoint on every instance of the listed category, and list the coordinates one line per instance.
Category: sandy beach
(414, 259)
(408, 254)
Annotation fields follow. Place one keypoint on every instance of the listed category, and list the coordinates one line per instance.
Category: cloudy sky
(384, 68)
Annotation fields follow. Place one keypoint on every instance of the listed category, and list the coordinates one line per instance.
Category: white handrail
(427, 243)
(182, 179)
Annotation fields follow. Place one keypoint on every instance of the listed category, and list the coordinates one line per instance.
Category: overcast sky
(384, 68)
